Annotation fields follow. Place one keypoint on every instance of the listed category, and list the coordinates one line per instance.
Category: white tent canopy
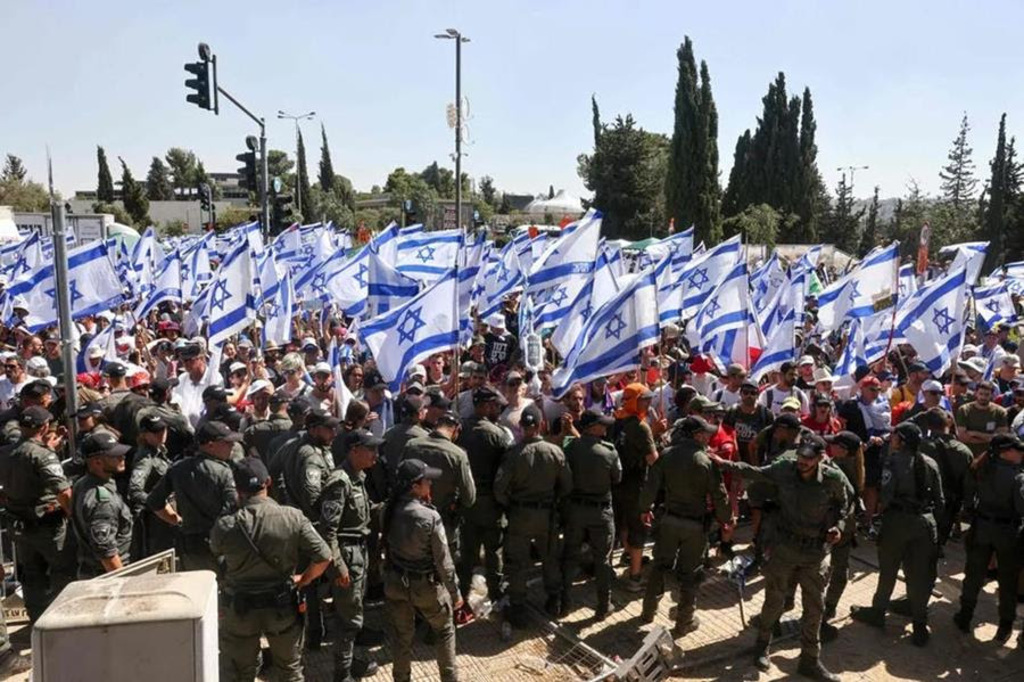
(562, 203)
(8, 228)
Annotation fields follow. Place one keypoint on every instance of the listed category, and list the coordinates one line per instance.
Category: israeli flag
(287, 246)
(386, 287)
(932, 321)
(599, 289)
(994, 305)
(145, 256)
(347, 281)
(427, 256)
(385, 242)
(313, 254)
(196, 272)
(880, 334)
(780, 346)
(907, 281)
(968, 255)
(704, 273)
(567, 258)
(767, 280)
(166, 285)
(682, 254)
(721, 326)
(865, 290)
(29, 257)
(278, 307)
(614, 335)
(231, 306)
(425, 325)
(504, 278)
(105, 340)
(93, 283)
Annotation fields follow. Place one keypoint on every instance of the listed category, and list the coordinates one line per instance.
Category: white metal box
(152, 628)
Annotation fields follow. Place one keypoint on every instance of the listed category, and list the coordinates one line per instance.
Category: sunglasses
(11, 366)
(748, 391)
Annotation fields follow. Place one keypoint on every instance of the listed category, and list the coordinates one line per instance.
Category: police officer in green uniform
(486, 444)
(846, 451)
(36, 498)
(283, 445)
(812, 499)
(686, 477)
(180, 434)
(995, 499)
(531, 483)
(100, 517)
(36, 393)
(411, 410)
(345, 524)
(203, 490)
(258, 434)
(911, 492)
(596, 469)
(260, 545)
(954, 460)
(419, 578)
(455, 491)
(150, 463)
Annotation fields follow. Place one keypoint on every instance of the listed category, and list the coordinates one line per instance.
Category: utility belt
(286, 597)
(799, 541)
(590, 502)
(532, 505)
(352, 540)
(909, 508)
(21, 524)
(407, 574)
(685, 517)
(998, 520)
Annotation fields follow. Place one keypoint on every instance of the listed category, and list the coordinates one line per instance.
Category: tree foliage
(14, 170)
(303, 176)
(182, 164)
(626, 173)
(133, 196)
(488, 192)
(158, 182)
(869, 238)
(120, 215)
(18, 191)
(104, 180)
(841, 225)
(760, 224)
(326, 166)
(958, 181)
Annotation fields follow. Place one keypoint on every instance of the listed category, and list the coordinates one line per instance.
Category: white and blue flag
(427, 256)
(166, 285)
(994, 305)
(862, 292)
(705, 272)
(231, 306)
(968, 255)
(721, 327)
(932, 320)
(567, 258)
(386, 287)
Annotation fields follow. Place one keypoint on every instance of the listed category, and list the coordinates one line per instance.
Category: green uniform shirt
(417, 543)
(282, 535)
(535, 472)
(688, 478)
(997, 493)
(988, 419)
(455, 487)
(102, 523)
(595, 468)
(304, 475)
(203, 488)
(485, 444)
(395, 440)
(149, 465)
(634, 440)
(32, 476)
(344, 510)
(259, 435)
(899, 487)
(954, 460)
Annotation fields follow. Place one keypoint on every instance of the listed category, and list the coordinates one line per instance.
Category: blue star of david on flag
(272, 308)
(558, 298)
(614, 327)
(502, 273)
(425, 254)
(307, 250)
(320, 283)
(361, 275)
(854, 292)
(220, 294)
(186, 270)
(410, 324)
(942, 319)
(586, 312)
(713, 308)
(76, 295)
(993, 305)
(699, 278)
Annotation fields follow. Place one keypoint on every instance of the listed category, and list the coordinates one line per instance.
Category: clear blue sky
(890, 80)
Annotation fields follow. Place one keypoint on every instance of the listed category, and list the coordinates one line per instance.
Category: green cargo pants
(679, 542)
(406, 597)
(348, 607)
(595, 526)
(240, 644)
(909, 540)
(808, 568)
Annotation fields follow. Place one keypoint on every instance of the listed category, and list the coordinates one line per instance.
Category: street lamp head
(251, 142)
(442, 36)
(452, 32)
(309, 115)
(205, 53)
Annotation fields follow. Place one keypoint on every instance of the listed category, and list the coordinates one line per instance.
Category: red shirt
(827, 428)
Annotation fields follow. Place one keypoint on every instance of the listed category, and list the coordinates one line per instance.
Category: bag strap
(252, 543)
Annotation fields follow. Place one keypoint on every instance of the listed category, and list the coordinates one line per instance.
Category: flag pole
(67, 336)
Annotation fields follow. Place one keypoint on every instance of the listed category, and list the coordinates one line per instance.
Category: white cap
(1011, 359)
(969, 348)
(497, 321)
(418, 371)
(931, 385)
(37, 366)
(806, 360)
(236, 367)
(977, 364)
(96, 352)
(322, 368)
(259, 385)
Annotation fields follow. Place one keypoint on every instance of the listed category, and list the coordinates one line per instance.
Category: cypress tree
(303, 175)
(958, 181)
(869, 239)
(680, 180)
(133, 197)
(738, 191)
(105, 181)
(596, 121)
(808, 199)
(995, 215)
(158, 182)
(326, 167)
(709, 192)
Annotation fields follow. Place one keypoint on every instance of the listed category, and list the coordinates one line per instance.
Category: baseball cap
(736, 370)
(103, 443)
(870, 380)
(820, 399)
(153, 423)
(787, 366)
(320, 417)
(671, 331)
(1011, 359)
(89, 410)
(114, 369)
(848, 439)
(909, 432)
(374, 380)
(478, 341)
(592, 417)
(496, 321)
(212, 431)
(788, 420)
(215, 393)
(931, 386)
(322, 368)
(190, 351)
(1005, 441)
(976, 364)
(694, 423)
(236, 367)
(37, 365)
(449, 418)
(410, 405)
(96, 352)
(486, 394)
(810, 447)
(418, 371)
(258, 386)
(968, 348)
(749, 383)
(363, 438)
(639, 391)
(513, 376)
(791, 403)
(438, 400)
(297, 407)
(412, 470)
(251, 475)
(140, 379)
(805, 360)
(161, 385)
(309, 343)
(414, 388)
(531, 416)
(35, 389)
(466, 369)
(34, 416)
(917, 366)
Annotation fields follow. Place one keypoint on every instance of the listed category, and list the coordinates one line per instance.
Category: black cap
(486, 394)
(103, 443)
(1005, 441)
(364, 438)
(153, 423)
(374, 380)
(788, 421)
(810, 447)
(161, 385)
(439, 401)
(89, 410)
(114, 369)
(278, 398)
(189, 351)
(449, 418)
(848, 439)
(787, 366)
(822, 399)
(592, 417)
(299, 407)
(215, 393)
(251, 475)
(917, 366)
(214, 431)
(412, 470)
(749, 383)
(321, 417)
(531, 416)
(35, 389)
(909, 433)
(34, 417)
(411, 405)
(694, 423)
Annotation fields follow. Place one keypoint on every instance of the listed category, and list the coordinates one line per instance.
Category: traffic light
(204, 196)
(201, 84)
(409, 212)
(282, 215)
(247, 171)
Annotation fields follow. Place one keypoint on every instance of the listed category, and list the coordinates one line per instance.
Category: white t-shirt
(779, 395)
(726, 397)
(188, 394)
(9, 391)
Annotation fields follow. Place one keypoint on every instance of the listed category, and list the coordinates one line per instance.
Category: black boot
(868, 615)
(369, 638)
(921, 634)
(553, 606)
(830, 613)
(604, 607)
(812, 668)
(962, 619)
(1004, 631)
(649, 610)
(761, 661)
(685, 627)
(566, 605)
(361, 668)
(901, 607)
(829, 632)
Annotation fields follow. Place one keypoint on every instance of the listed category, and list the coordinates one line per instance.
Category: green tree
(235, 215)
(120, 215)
(133, 196)
(403, 186)
(596, 119)
(551, 192)
(811, 194)
(709, 191)
(683, 163)
(174, 228)
(23, 195)
(279, 166)
(326, 167)
(760, 224)
(104, 182)
(158, 182)
(626, 173)
(14, 170)
(998, 190)
(201, 177)
(182, 163)
(487, 191)
(303, 179)
(441, 180)
(842, 221)
(913, 212)
(869, 239)
(958, 181)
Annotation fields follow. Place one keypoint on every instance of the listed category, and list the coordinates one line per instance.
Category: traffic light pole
(265, 182)
(66, 324)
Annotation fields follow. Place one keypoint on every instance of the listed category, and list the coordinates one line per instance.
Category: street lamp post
(298, 169)
(852, 169)
(452, 34)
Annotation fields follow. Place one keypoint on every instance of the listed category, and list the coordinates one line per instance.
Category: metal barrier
(159, 563)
